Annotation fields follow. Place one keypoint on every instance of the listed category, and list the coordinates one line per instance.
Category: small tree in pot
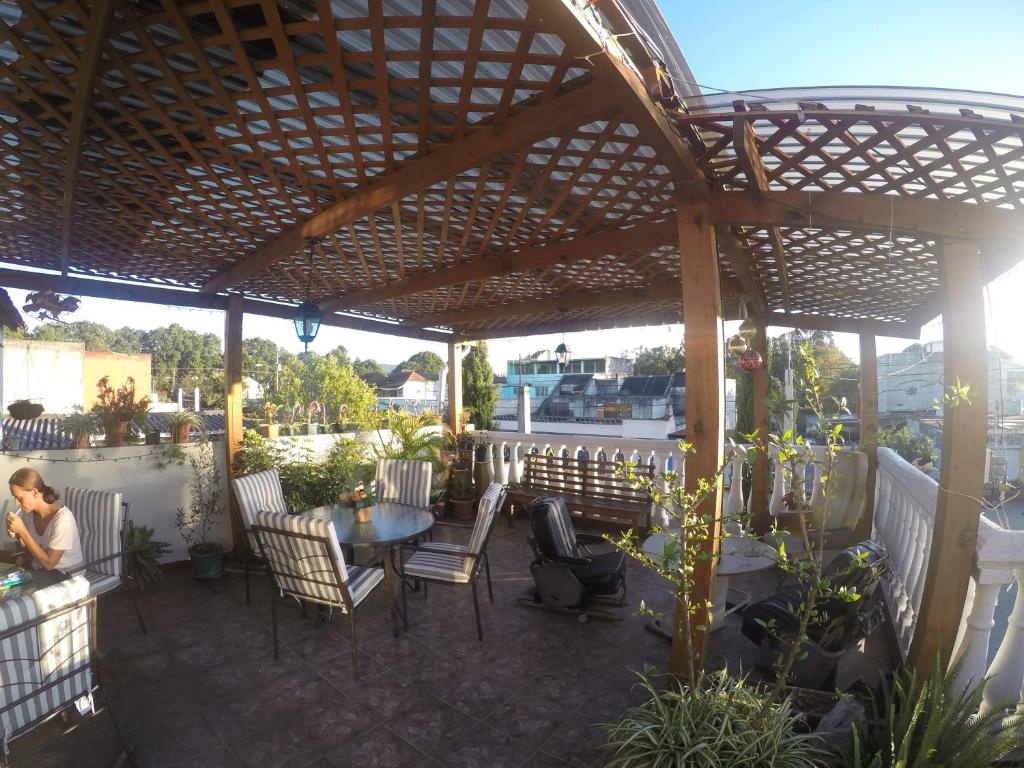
(182, 423)
(79, 427)
(194, 523)
(270, 429)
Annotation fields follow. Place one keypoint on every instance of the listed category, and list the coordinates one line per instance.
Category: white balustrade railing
(905, 501)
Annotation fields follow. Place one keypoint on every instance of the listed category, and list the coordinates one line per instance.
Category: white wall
(154, 494)
(648, 429)
(44, 372)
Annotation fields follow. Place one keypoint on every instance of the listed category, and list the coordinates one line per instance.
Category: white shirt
(60, 533)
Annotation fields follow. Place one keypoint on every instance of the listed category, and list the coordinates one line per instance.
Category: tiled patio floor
(203, 689)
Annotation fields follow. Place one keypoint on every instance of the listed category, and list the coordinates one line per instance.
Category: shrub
(719, 722)
(909, 445)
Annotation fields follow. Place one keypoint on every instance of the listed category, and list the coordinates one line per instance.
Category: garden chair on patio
(404, 482)
(102, 520)
(305, 562)
(258, 492)
(447, 563)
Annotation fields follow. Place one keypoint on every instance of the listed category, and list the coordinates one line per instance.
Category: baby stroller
(569, 577)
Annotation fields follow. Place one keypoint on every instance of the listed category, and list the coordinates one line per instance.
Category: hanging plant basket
(23, 409)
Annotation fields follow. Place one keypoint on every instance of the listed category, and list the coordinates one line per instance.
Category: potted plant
(117, 408)
(182, 423)
(195, 521)
(23, 409)
(312, 412)
(461, 496)
(79, 426)
(152, 435)
(142, 556)
(270, 429)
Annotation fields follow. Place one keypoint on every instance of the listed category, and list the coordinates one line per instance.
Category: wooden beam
(576, 107)
(761, 518)
(585, 38)
(705, 407)
(176, 297)
(629, 297)
(847, 210)
(454, 387)
(868, 427)
(610, 242)
(233, 396)
(961, 479)
(95, 38)
(739, 260)
(898, 330)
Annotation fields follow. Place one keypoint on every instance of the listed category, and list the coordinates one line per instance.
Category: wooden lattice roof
(483, 167)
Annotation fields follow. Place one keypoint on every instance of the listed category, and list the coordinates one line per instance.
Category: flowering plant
(114, 406)
(361, 496)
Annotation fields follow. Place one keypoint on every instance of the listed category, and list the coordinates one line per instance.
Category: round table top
(391, 523)
(739, 555)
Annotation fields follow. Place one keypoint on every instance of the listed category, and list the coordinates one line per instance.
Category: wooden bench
(591, 489)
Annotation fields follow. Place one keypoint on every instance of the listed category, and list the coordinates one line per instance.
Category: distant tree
(96, 337)
(912, 446)
(336, 386)
(426, 364)
(656, 361)
(127, 341)
(479, 395)
(366, 367)
(340, 354)
(259, 361)
(840, 376)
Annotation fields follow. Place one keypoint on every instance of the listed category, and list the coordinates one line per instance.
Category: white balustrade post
(1007, 669)
(515, 471)
(972, 653)
(500, 468)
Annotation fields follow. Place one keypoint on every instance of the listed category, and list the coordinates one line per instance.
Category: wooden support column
(964, 429)
(868, 427)
(761, 520)
(454, 386)
(233, 405)
(705, 402)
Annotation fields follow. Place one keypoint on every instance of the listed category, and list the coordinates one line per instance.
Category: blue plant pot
(207, 564)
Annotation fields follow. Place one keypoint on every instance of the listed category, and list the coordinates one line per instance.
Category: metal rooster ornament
(47, 305)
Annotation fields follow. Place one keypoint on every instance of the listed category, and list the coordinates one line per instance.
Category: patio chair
(258, 492)
(456, 564)
(569, 577)
(102, 520)
(305, 563)
(404, 482)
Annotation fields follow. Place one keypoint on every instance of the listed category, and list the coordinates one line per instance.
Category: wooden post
(761, 520)
(705, 404)
(454, 386)
(868, 427)
(233, 405)
(964, 433)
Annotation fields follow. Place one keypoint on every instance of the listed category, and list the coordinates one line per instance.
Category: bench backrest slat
(584, 477)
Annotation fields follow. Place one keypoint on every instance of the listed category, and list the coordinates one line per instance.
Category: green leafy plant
(78, 425)
(718, 722)
(911, 446)
(114, 406)
(142, 556)
(929, 725)
(185, 418)
(411, 440)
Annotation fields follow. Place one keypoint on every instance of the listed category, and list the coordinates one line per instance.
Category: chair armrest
(590, 538)
(427, 548)
(454, 525)
(91, 563)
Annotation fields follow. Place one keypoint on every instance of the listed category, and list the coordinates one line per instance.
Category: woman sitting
(49, 534)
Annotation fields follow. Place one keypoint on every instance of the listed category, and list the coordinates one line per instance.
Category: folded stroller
(569, 577)
(841, 624)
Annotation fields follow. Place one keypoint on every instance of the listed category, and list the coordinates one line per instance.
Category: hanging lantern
(750, 360)
(308, 316)
(563, 353)
(737, 345)
(307, 322)
(747, 330)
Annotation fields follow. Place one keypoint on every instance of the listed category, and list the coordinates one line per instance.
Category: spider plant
(929, 725)
(718, 722)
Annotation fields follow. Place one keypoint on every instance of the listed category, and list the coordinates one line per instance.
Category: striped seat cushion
(258, 492)
(55, 649)
(99, 516)
(443, 566)
(100, 583)
(449, 547)
(362, 580)
(404, 482)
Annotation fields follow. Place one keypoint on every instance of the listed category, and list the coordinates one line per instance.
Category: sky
(743, 45)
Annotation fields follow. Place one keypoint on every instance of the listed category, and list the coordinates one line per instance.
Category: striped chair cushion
(404, 482)
(443, 566)
(309, 568)
(100, 583)
(24, 664)
(99, 516)
(362, 580)
(258, 492)
(486, 514)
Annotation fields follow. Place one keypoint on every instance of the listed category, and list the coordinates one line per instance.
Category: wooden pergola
(468, 170)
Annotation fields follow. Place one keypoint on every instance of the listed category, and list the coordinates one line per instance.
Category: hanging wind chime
(749, 360)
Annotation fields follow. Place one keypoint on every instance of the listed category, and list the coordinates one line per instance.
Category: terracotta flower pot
(180, 433)
(82, 441)
(270, 431)
(115, 434)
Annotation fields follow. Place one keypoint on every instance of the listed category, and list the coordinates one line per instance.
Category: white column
(525, 425)
(973, 649)
(1007, 670)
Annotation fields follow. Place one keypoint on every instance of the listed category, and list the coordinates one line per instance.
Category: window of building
(541, 391)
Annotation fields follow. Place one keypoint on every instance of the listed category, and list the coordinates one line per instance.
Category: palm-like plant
(142, 555)
(411, 441)
(929, 725)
